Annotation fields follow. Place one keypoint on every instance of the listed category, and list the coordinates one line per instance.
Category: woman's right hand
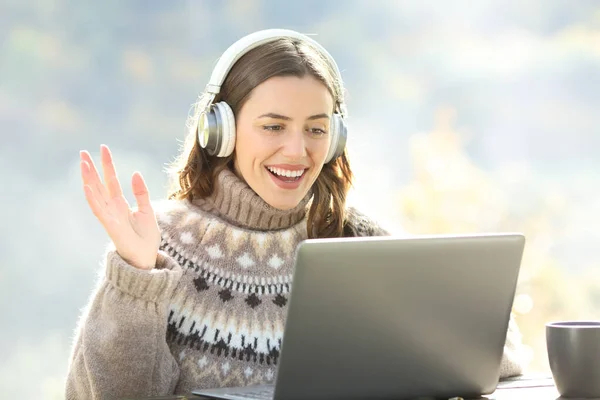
(134, 233)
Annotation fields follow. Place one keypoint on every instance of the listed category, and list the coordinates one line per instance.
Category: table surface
(520, 388)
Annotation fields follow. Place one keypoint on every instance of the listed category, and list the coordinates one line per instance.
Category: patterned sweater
(212, 311)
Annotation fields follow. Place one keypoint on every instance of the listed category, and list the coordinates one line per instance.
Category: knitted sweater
(212, 311)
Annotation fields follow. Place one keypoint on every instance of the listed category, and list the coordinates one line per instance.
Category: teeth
(286, 172)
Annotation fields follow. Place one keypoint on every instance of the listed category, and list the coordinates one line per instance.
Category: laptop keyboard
(263, 394)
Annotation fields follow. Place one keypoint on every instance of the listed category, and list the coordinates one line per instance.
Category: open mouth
(286, 175)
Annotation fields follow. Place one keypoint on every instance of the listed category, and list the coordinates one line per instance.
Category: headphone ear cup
(227, 129)
(338, 134)
(208, 130)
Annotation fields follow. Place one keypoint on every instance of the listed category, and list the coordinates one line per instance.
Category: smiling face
(282, 138)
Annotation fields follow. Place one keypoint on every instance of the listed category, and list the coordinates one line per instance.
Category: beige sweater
(212, 311)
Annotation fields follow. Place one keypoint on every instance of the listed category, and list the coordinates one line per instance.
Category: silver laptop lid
(390, 317)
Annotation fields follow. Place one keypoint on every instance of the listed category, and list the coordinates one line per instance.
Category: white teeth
(286, 172)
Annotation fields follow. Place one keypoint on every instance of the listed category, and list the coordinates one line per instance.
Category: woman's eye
(272, 127)
(318, 131)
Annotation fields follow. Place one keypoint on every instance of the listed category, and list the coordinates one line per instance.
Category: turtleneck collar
(234, 201)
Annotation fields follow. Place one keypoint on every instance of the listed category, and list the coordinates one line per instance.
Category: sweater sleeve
(120, 345)
(512, 358)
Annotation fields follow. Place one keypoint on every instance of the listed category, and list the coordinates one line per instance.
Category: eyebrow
(279, 116)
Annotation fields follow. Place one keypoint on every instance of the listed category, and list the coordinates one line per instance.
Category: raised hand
(134, 233)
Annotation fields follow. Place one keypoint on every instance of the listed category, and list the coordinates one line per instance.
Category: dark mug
(574, 356)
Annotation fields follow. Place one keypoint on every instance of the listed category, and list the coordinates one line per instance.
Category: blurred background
(464, 116)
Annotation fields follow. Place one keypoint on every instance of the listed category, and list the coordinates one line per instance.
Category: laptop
(394, 318)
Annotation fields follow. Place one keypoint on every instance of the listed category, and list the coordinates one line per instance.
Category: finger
(91, 176)
(140, 191)
(95, 205)
(110, 173)
(89, 179)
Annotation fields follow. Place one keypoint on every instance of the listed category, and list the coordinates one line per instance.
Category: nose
(294, 146)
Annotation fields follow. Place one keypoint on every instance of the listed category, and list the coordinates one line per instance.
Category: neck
(235, 202)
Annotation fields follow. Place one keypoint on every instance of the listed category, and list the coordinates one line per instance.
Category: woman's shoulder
(175, 215)
(360, 224)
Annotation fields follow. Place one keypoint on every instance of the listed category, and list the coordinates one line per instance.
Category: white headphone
(216, 123)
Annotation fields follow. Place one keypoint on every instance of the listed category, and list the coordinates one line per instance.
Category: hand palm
(134, 233)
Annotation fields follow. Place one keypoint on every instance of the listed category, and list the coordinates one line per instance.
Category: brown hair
(194, 171)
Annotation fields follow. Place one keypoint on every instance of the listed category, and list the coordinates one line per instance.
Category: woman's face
(282, 138)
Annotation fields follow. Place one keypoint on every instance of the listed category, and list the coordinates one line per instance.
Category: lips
(286, 174)
(280, 177)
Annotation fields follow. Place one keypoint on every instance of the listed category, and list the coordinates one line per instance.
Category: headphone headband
(249, 42)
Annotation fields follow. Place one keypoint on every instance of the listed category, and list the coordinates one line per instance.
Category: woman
(196, 287)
